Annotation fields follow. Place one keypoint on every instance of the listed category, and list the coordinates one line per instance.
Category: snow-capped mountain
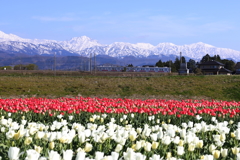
(85, 46)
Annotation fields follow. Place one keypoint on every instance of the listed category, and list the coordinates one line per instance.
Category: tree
(19, 67)
(177, 63)
(159, 64)
(7, 68)
(32, 67)
(191, 64)
(25, 67)
(206, 58)
(198, 71)
(228, 64)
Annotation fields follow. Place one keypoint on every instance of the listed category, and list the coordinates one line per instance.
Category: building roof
(224, 70)
(211, 63)
(237, 66)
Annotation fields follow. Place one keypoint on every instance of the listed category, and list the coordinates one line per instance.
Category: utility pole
(90, 63)
(180, 58)
(95, 63)
(54, 63)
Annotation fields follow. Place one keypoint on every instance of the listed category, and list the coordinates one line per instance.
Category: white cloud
(63, 18)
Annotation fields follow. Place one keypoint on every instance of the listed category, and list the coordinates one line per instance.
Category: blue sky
(215, 22)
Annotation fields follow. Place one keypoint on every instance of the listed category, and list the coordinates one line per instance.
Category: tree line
(192, 65)
(20, 67)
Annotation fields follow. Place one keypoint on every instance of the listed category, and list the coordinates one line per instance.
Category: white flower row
(148, 138)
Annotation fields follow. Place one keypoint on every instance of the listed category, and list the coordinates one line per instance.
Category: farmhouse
(213, 68)
(237, 67)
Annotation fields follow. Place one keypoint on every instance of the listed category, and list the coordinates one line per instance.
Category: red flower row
(106, 105)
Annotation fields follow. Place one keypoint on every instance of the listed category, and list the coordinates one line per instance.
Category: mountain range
(139, 53)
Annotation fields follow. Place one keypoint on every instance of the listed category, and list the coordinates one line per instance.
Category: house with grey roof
(213, 68)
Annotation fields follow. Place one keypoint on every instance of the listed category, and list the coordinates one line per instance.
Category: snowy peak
(201, 44)
(85, 46)
(79, 43)
(144, 45)
(9, 37)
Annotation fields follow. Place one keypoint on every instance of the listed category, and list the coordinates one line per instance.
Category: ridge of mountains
(117, 52)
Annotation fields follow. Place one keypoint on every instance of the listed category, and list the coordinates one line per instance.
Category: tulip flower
(224, 152)
(129, 155)
(147, 146)
(155, 145)
(155, 157)
(216, 154)
(53, 155)
(99, 155)
(118, 148)
(235, 150)
(133, 135)
(238, 156)
(28, 140)
(81, 155)
(67, 155)
(38, 149)
(180, 150)
(169, 155)
(212, 147)
(13, 153)
(114, 155)
(51, 145)
(191, 147)
(88, 147)
(32, 154)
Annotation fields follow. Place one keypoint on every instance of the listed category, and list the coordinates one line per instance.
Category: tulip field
(84, 128)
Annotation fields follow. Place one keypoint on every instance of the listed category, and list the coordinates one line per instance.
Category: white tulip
(191, 147)
(67, 155)
(224, 152)
(237, 134)
(132, 135)
(176, 140)
(198, 117)
(166, 140)
(114, 155)
(88, 147)
(32, 154)
(81, 155)
(82, 137)
(129, 155)
(154, 136)
(99, 155)
(216, 154)
(70, 117)
(212, 147)
(53, 155)
(147, 146)
(13, 153)
(180, 150)
(10, 134)
(118, 148)
(190, 124)
(155, 145)
(155, 157)
(140, 156)
(138, 145)
(238, 156)
(208, 157)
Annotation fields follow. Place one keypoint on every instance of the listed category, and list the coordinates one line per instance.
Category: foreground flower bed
(112, 129)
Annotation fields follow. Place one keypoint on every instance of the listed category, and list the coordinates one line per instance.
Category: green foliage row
(219, 87)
